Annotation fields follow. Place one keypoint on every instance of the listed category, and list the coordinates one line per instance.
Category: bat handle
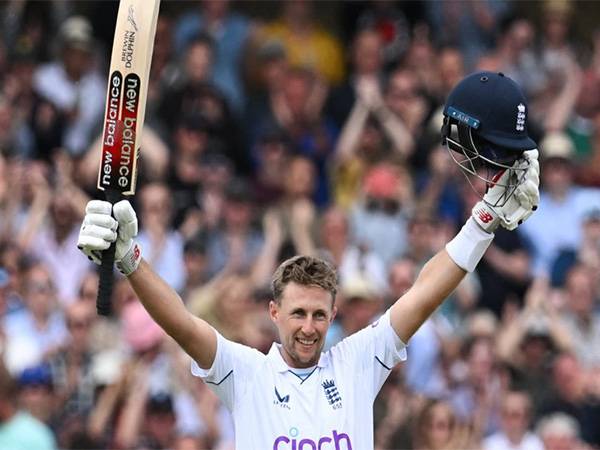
(105, 287)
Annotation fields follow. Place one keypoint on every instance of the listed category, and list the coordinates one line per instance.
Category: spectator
(423, 371)
(164, 246)
(559, 197)
(67, 82)
(196, 262)
(476, 397)
(379, 219)
(581, 321)
(19, 430)
(54, 241)
(437, 428)
(360, 303)
(391, 23)
(72, 365)
(272, 152)
(197, 94)
(38, 330)
(470, 27)
(529, 339)
(404, 98)
(307, 44)
(367, 69)
(297, 109)
(235, 243)
(295, 210)
(37, 395)
(559, 432)
(514, 423)
(372, 133)
(514, 55)
(224, 302)
(230, 32)
(570, 397)
(268, 82)
(350, 260)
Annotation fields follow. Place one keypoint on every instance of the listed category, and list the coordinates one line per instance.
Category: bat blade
(124, 115)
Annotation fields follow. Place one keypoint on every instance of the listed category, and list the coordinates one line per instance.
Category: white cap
(557, 145)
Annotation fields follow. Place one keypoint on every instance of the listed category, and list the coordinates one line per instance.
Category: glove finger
(524, 199)
(100, 232)
(128, 224)
(509, 226)
(128, 230)
(91, 243)
(530, 189)
(532, 155)
(515, 218)
(98, 207)
(101, 220)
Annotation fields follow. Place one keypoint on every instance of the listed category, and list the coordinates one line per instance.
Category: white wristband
(469, 245)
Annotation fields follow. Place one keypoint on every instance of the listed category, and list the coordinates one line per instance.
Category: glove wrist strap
(485, 216)
(131, 260)
(469, 245)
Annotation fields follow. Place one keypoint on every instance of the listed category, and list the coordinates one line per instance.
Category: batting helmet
(485, 126)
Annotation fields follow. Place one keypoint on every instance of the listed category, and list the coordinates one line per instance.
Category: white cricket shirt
(331, 409)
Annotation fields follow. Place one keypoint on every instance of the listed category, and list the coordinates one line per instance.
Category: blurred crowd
(276, 128)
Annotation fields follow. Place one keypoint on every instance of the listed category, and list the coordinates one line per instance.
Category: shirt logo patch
(282, 400)
(332, 394)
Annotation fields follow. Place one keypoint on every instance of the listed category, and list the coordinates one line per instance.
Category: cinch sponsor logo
(337, 441)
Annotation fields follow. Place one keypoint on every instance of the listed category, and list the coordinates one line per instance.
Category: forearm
(103, 410)
(165, 306)
(403, 142)
(508, 340)
(560, 110)
(350, 135)
(438, 278)
(266, 262)
(130, 420)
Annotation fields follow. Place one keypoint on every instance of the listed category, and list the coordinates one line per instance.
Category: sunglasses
(388, 206)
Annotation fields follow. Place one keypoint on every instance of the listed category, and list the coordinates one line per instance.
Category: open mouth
(306, 342)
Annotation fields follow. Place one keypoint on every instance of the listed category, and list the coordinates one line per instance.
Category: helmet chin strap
(474, 161)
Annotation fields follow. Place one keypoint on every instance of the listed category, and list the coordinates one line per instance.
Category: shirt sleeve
(232, 368)
(371, 353)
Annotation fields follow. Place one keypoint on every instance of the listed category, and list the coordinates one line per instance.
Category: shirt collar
(279, 363)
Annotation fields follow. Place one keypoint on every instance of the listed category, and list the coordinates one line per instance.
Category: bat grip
(105, 286)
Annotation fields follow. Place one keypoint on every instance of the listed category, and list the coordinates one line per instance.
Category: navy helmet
(485, 126)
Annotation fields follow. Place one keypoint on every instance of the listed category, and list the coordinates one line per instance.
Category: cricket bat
(124, 116)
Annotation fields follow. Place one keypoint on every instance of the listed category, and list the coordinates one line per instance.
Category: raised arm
(98, 231)
(193, 334)
(442, 274)
(438, 278)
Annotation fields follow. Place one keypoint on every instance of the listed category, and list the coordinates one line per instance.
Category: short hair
(557, 424)
(304, 270)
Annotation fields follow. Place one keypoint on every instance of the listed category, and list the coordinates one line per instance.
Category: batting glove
(99, 230)
(520, 205)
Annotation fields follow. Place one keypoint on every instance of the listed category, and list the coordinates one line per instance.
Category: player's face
(302, 318)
